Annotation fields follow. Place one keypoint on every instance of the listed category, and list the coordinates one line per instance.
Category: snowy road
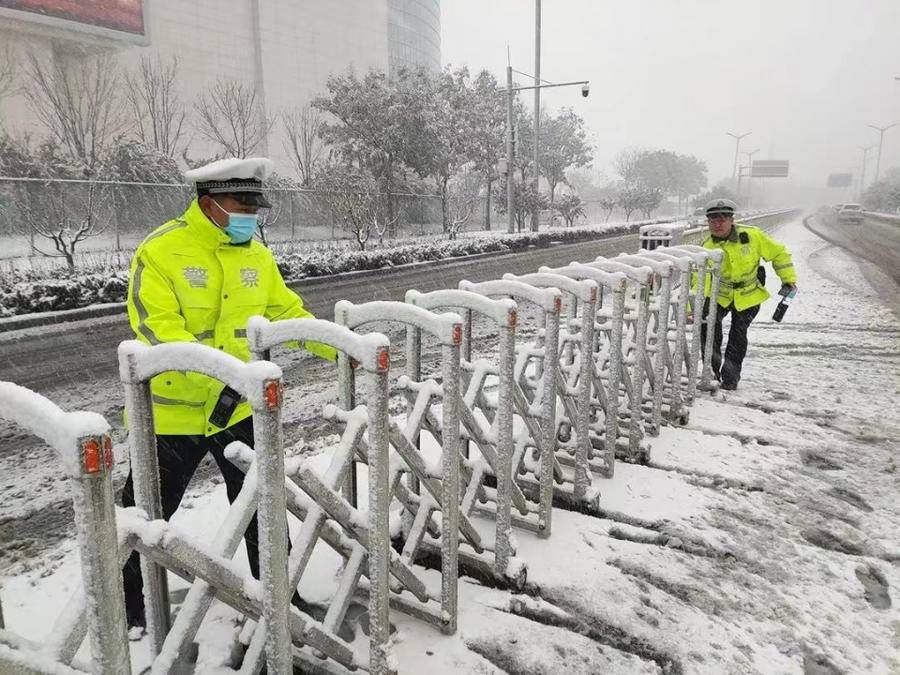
(762, 538)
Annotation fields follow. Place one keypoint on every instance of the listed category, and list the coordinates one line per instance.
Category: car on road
(850, 214)
(697, 218)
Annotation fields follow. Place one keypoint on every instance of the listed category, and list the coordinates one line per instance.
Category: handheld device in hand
(787, 294)
(228, 401)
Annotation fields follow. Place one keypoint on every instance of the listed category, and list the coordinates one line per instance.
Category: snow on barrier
(83, 443)
(361, 538)
(421, 483)
(606, 367)
(534, 394)
(573, 381)
(487, 423)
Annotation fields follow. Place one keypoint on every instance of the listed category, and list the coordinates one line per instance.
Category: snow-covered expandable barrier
(421, 484)
(85, 448)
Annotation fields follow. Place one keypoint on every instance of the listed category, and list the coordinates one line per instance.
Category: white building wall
(300, 44)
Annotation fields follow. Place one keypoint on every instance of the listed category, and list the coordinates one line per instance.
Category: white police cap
(240, 178)
(721, 206)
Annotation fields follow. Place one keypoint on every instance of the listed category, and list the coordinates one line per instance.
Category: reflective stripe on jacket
(743, 249)
(188, 283)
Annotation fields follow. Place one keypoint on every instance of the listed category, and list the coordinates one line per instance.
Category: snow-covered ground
(763, 537)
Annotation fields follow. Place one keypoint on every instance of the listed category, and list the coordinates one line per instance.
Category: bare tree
(79, 101)
(464, 191)
(302, 127)
(231, 115)
(158, 111)
(7, 71)
(83, 214)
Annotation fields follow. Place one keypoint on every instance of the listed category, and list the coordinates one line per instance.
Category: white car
(850, 214)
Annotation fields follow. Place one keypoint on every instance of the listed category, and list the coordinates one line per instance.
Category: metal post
(273, 537)
(617, 325)
(347, 400)
(505, 441)
(95, 523)
(414, 373)
(715, 263)
(145, 473)
(450, 486)
(379, 555)
(510, 153)
(548, 417)
(535, 216)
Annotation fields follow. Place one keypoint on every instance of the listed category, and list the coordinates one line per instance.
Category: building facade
(285, 48)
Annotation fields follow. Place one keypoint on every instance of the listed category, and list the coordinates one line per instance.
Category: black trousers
(179, 457)
(728, 369)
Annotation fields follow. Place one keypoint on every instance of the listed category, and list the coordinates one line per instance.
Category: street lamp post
(535, 216)
(880, 131)
(862, 178)
(510, 153)
(510, 146)
(737, 144)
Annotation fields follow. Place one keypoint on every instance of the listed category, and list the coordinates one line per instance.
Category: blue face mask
(241, 226)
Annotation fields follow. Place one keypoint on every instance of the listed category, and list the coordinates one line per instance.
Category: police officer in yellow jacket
(742, 288)
(198, 278)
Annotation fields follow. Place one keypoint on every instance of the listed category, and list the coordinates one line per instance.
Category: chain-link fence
(43, 217)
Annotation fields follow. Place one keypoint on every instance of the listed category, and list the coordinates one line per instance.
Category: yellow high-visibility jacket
(743, 249)
(189, 283)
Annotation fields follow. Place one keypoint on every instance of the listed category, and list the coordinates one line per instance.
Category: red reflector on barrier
(513, 318)
(384, 360)
(91, 456)
(108, 452)
(457, 333)
(557, 304)
(273, 394)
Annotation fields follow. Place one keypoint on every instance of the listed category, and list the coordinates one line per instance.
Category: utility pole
(510, 153)
(880, 131)
(536, 214)
(862, 178)
(737, 144)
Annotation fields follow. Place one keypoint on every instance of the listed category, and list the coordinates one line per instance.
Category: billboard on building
(114, 18)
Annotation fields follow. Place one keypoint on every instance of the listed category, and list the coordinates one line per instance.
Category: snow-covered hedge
(62, 292)
(67, 291)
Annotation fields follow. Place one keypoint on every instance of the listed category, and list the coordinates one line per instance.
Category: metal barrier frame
(607, 398)
(574, 392)
(370, 354)
(260, 383)
(496, 444)
(640, 278)
(543, 429)
(713, 267)
(82, 440)
(657, 339)
(679, 353)
(447, 329)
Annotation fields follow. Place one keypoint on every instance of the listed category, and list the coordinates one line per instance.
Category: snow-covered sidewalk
(763, 537)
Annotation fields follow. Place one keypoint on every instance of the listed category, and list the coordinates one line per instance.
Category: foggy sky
(805, 76)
